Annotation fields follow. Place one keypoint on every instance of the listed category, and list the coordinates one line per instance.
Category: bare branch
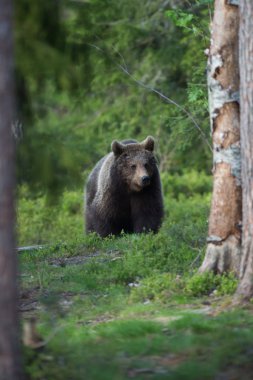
(123, 67)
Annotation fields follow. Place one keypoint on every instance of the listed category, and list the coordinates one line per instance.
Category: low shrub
(206, 283)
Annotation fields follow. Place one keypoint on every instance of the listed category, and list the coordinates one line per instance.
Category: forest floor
(98, 316)
(131, 307)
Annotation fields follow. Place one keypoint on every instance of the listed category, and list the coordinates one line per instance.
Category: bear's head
(135, 162)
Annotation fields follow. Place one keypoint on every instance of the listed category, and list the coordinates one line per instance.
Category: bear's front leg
(105, 227)
(145, 224)
(147, 212)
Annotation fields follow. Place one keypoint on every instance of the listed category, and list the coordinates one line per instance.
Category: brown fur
(123, 191)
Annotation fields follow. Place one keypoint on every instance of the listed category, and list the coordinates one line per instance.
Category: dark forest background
(85, 72)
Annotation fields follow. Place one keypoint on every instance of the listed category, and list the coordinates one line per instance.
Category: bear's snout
(145, 180)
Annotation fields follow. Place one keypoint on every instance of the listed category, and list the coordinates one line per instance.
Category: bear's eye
(133, 167)
(146, 166)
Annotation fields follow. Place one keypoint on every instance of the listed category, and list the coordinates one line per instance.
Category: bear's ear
(117, 148)
(148, 143)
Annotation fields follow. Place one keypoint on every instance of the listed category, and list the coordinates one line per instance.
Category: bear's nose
(145, 180)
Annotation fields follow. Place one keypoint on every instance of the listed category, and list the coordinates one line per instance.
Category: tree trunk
(224, 235)
(9, 339)
(245, 288)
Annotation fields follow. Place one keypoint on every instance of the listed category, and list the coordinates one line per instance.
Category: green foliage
(167, 286)
(74, 99)
(132, 258)
(182, 19)
(228, 284)
(159, 287)
(40, 222)
(202, 284)
(206, 283)
(188, 184)
(97, 325)
(180, 240)
(192, 347)
(125, 307)
(129, 305)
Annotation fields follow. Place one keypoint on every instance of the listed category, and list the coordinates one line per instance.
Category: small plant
(228, 284)
(205, 283)
(158, 287)
(189, 183)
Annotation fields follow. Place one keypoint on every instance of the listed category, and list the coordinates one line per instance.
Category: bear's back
(99, 179)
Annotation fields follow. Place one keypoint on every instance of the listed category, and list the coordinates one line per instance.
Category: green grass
(135, 307)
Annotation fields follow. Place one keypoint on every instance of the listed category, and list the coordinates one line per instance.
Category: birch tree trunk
(224, 235)
(245, 288)
(9, 339)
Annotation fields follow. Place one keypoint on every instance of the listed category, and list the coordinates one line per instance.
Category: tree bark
(224, 235)
(9, 339)
(245, 288)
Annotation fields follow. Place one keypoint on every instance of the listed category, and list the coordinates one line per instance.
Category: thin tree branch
(124, 69)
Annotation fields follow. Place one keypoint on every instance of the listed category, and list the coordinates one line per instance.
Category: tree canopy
(85, 73)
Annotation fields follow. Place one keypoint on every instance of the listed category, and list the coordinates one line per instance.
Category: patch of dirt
(136, 372)
(75, 260)
(157, 365)
(203, 310)
(165, 320)
(82, 259)
(28, 300)
(96, 321)
(170, 360)
(243, 372)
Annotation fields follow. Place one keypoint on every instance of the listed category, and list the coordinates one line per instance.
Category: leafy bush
(202, 284)
(189, 183)
(162, 286)
(206, 283)
(40, 222)
(158, 287)
(227, 285)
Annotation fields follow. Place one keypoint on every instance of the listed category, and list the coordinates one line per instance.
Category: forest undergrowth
(132, 306)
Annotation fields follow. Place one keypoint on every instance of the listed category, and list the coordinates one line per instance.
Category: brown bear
(123, 191)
